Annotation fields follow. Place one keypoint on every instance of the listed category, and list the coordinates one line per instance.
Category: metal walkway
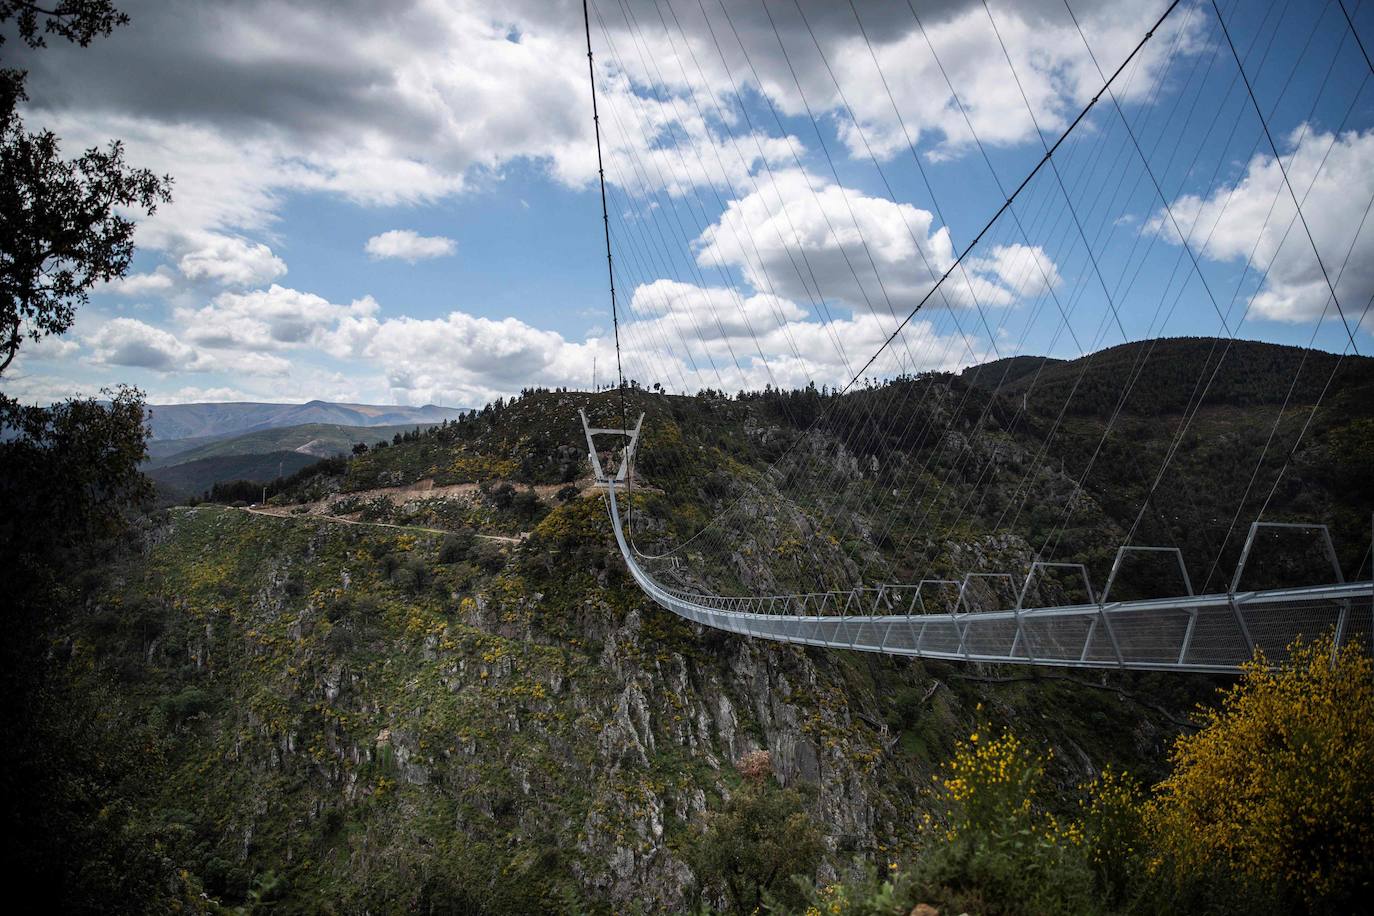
(1202, 633)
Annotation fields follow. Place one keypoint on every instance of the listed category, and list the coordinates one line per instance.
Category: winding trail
(283, 513)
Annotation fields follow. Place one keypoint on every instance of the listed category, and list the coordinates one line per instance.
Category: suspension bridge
(1051, 267)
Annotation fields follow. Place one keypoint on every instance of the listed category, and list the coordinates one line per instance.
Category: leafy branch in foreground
(61, 226)
(79, 21)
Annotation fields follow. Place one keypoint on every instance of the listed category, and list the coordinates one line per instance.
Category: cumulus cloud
(1024, 270)
(231, 261)
(50, 347)
(795, 55)
(191, 394)
(467, 359)
(1051, 63)
(268, 319)
(1333, 175)
(673, 309)
(249, 102)
(868, 252)
(681, 335)
(246, 101)
(460, 355)
(688, 337)
(45, 389)
(160, 281)
(129, 342)
(408, 245)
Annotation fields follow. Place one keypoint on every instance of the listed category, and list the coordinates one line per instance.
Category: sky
(398, 203)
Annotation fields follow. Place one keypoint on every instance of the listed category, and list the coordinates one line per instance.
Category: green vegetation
(190, 479)
(1267, 810)
(759, 843)
(299, 715)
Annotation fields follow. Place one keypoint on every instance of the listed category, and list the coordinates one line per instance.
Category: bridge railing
(1212, 633)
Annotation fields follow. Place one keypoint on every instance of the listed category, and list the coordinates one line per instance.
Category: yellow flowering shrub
(992, 786)
(995, 838)
(1279, 783)
(1111, 813)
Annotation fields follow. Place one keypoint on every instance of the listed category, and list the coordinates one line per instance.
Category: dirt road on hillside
(286, 513)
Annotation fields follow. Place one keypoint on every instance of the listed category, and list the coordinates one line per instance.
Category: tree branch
(12, 348)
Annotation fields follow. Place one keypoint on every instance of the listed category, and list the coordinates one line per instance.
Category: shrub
(188, 704)
(487, 556)
(412, 575)
(455, 547)
(1279, 784)
(526, 505)
(756, 845)
(1111, 819)
(997, 840)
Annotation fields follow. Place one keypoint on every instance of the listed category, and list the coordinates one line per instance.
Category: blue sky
(401, 207)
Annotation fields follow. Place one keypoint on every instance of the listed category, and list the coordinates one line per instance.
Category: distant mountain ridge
(319, 439)
(192, 478)
(212, 420)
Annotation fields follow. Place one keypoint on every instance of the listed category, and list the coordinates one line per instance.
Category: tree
(75, 20)
(60, 233)
(757, 843)
(68, 472)
(69, 478)
(1279, 784)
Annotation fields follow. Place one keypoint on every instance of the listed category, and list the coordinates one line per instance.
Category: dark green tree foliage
(69, 480)
(67, 475)
(250, 491)
(59, 232)
(79, 21)
(756, 845)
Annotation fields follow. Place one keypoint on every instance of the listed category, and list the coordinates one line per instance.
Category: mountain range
(184, 421)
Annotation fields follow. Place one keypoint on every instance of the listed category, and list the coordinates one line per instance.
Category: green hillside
(344, 718)
(318, 439)
(190, 479)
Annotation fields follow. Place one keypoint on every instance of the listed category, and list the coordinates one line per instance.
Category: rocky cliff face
(369, 717)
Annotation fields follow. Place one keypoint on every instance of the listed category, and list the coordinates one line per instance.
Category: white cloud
(51, 347)
(158, 282)
(129, 342)
(1334, 193)
(408, 245)
(246, 102)
(231, 261)
(1025, 270)
(45, 389)
(1051, 63)
(460, 358)
(268, 319)
(244, 364)
(465, 359)
(867, 252)
(190, 394)
(688, 311)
